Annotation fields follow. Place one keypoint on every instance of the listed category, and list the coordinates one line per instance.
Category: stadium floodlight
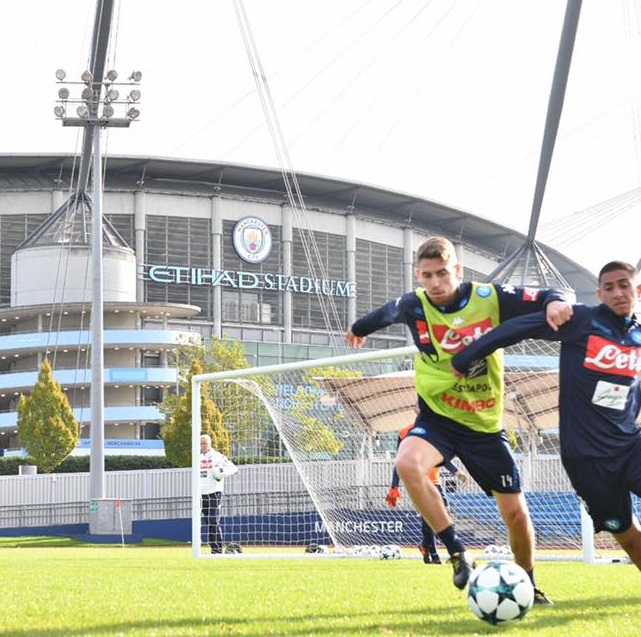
(96, 109)
(99, 102)
(60, 74)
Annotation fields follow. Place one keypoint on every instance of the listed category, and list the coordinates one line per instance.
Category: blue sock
(451, 540)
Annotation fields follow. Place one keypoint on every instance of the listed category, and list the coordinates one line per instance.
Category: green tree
(315, 433)
(176, 430)
(242, 413)
(47, 428)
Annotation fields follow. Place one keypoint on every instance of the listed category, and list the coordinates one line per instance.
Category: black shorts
(487, 457)
(605, 484)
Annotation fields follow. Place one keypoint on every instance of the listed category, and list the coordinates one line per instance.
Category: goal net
(315, 443)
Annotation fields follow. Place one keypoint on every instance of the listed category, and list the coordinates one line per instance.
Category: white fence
(74, 487)
(41, 500)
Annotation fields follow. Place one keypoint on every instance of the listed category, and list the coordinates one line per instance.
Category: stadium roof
(71, 225)
(386, 403)
(26, 172)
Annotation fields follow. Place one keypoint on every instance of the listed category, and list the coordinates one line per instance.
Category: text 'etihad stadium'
(176, 274)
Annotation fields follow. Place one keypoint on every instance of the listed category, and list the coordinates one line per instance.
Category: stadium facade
(204, 249)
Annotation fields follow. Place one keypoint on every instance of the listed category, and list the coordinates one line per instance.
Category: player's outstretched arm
(380, 318)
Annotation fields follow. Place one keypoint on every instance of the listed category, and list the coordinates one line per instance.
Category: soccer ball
(233, 548)
(390, 552)
(218, 472)
(500, 592)
(316, 548)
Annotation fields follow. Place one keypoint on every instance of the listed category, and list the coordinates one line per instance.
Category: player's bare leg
(414, 459)
(630, 541)
(514, 511)
(515, 514)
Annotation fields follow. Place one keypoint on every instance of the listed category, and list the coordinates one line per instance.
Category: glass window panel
(379, 277)
(300, 337)
(124, 225)
(315, 351)
(296, 352)
(251, 335)
(269, 349)
(233, 333)
(268, 360)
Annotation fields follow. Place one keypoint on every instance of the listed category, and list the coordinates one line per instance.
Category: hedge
(80, 464)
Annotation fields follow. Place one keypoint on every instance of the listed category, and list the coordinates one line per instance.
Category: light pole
(94, 109)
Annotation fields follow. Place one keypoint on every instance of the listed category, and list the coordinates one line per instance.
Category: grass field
(57, 591)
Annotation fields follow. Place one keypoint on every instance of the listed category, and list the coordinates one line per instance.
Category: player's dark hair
(611, 266)
(436, 248)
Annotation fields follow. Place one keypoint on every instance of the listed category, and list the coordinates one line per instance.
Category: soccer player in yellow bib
(461, 417)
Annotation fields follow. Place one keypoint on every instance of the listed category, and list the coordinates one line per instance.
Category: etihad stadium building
(204, 249)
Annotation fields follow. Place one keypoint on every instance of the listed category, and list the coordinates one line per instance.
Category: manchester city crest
(252, 239)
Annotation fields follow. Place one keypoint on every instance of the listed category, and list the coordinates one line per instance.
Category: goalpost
(315, 442)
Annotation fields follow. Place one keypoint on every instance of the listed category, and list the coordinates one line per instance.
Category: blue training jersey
(438, 340)
(513, 301)
(599, 365)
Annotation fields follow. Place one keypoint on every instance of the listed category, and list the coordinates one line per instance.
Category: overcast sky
(444, 99)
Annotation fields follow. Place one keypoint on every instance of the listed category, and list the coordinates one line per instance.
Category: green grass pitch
(74, 591)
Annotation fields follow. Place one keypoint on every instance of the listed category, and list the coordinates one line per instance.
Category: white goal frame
(587, 550)
(239, 374)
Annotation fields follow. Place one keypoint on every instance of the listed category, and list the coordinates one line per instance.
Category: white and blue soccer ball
(390, 552)
(499, 592)
(218, 472)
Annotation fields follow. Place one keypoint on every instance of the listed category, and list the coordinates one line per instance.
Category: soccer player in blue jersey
(458, 417)
(599, 397)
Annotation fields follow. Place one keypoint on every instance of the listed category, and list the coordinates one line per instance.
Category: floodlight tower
(93, 104)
